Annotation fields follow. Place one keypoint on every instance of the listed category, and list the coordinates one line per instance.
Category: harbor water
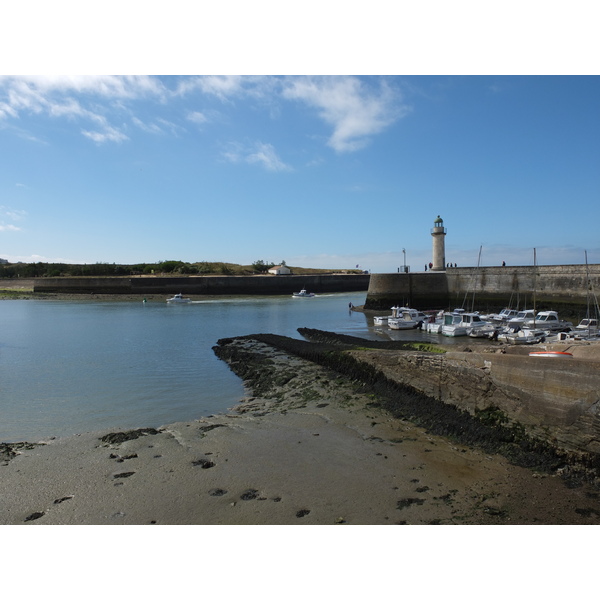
(71, 366)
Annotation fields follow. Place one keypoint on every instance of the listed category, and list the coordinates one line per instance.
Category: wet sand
(309, 450)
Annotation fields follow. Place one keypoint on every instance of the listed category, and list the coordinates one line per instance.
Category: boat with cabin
(407, 318)
(459, 322)
(303, 294)
(518, 336)
(178, 299)
(524, 318)
(548, 320)
(502, 317)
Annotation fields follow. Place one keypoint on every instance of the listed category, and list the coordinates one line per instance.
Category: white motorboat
(459, 323)
(523, 336)
(382, 320)
(407, 318)
(178, 299)
(303, 294)
(588, 324)
(548, 319)
(485, 331)
(502, 317)
(434, 325)
(524, 318)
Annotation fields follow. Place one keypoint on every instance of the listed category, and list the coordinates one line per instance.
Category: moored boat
(488, 330)
(407, 318)
(548, 319)
(523, 336)
(524, 318)
(459, 323)
(502, 317)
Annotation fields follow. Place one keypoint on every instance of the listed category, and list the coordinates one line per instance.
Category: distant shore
(304, 447)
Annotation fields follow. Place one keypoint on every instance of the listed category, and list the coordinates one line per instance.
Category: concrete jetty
(489, 288)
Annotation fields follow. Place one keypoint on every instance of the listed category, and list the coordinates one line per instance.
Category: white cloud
(4, 227)
(197, 117)
(355, 110)
(110, 86)
(147, 127)
(266, 156)
(53, 95)
(260, 153)
(35, 258)
(10, 214)
(14, 215)
(110, 134)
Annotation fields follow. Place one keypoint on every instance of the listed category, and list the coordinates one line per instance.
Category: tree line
(166, 267)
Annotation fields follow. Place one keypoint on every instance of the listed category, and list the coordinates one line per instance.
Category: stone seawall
(207, 285)
(557, 401)
(562, 287)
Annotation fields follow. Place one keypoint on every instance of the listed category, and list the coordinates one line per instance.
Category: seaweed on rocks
(489, 430)
(9, 450)
(259, 372)
(124, 436)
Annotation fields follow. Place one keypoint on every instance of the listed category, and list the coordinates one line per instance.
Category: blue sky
(320, 171)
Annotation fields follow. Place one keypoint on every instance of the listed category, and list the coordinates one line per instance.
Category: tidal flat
(305, 446)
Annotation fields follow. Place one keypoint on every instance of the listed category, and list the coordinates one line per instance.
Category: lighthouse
(438, 233)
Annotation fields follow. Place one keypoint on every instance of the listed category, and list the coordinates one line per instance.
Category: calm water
(69, 367)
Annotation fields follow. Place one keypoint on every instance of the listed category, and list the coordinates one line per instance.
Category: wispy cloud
(147, 127)
(108, 134)
(197, 117)
(55, 97)
(258, 154)
(4, 227)
(10, 214)
(355, 110)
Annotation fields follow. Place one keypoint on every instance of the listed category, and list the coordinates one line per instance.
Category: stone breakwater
(535, 412)
(559, 287)
(203, 285)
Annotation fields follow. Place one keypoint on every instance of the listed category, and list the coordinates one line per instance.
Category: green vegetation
(424, 347)
(166, 267)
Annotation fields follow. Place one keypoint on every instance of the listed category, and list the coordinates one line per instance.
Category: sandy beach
(309, 450)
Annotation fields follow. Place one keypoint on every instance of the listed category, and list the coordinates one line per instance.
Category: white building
(279, 270)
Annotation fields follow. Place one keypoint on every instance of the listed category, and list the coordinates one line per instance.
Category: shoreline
(304, 447)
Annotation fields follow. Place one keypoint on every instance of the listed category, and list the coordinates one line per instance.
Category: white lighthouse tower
(438, 233)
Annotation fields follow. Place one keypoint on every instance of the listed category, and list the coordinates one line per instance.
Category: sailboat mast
(534, 284)
(475, 279)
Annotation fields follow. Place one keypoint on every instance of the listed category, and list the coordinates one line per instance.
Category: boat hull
(551, 354)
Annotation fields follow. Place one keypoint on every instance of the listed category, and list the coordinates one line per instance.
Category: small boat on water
(303, 294)
(178, 299)
(551, 354)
